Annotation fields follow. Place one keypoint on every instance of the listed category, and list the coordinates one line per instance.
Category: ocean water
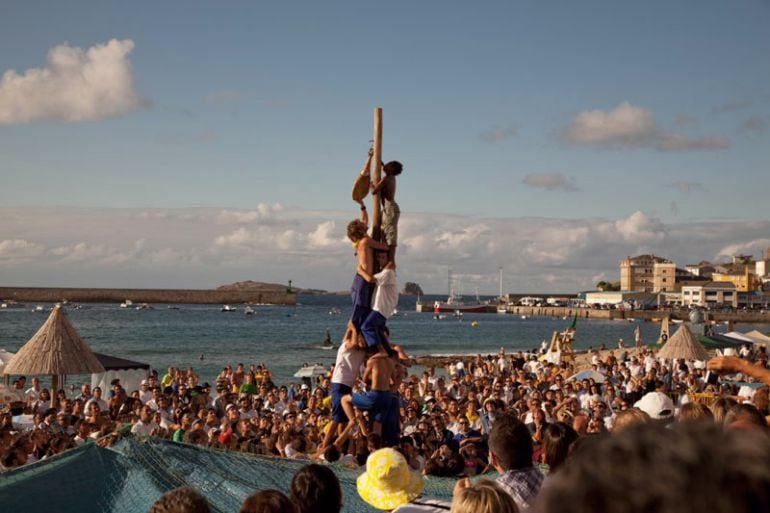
(285, 337)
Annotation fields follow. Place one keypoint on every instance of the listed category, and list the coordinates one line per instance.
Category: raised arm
(733, 364)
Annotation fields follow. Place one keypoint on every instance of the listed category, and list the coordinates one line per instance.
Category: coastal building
(703, 269)
(762, 267)
(710, 294)
(744, 280)
(647, 273)
(622, 299)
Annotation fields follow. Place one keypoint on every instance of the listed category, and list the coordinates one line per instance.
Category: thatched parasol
(56, 350)
(683, 346)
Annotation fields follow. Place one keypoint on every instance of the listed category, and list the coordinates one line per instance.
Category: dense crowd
(446, 415)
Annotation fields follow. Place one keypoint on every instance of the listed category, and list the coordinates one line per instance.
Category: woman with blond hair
(482, 496)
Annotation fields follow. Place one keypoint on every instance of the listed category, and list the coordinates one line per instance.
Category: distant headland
(239, 292)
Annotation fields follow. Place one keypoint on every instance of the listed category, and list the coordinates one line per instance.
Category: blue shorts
(373, 330)
(383, 407)
(361, 293)
(338, 392)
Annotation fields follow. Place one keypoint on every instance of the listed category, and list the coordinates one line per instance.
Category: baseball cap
(657, 405)
(304, 387)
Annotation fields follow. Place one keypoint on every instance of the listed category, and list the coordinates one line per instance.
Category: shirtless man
(386, 189)
(381, 400)
(364, 281)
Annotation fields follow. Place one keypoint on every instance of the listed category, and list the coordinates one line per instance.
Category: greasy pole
(377, 174)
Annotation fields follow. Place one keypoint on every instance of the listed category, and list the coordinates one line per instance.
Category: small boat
(39, 308)
(3, 305)
(127, 304)
(248, 310)
(524, 317)
(145, 306)
(455, 303)
(327, 342)
(228, 308)
(335, 311)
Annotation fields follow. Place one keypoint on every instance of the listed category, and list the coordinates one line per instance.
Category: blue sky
(574, 111)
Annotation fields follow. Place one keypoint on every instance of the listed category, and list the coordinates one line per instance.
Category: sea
(287, 337)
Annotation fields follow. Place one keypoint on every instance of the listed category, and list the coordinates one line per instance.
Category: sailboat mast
(501, 283)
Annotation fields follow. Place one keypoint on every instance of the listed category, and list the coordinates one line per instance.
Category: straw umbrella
(683, 346)
(55, 350)
(5, 357)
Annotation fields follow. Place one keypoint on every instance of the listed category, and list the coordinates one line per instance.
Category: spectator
(510, 452)
(181, 500)
(268, 501)
(316, 489)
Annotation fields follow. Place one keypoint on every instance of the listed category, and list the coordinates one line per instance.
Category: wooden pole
(377, 174)
(54, 390)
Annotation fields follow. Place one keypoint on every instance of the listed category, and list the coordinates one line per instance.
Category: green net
(130, 476)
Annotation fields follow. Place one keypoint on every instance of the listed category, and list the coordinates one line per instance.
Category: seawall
(750, 317)
(189, 296)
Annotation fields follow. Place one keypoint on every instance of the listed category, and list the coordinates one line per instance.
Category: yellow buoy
(474, 324)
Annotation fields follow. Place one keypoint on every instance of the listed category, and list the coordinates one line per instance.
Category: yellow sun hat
(388, 481)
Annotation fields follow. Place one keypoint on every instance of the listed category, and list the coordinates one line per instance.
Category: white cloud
(755, 247)
(262, 212)
(323, 236)
(625, 125)
(549, 182)
(639, 228)
(15, 250)
(631, 126)
(164, 248)
(75, 85)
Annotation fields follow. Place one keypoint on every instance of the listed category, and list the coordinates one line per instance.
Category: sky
(192, 144)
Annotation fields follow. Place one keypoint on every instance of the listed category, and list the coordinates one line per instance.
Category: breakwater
(185, 296)
(750, 317)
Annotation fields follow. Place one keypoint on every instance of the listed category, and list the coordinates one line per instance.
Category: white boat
(248, 310)
(228, 308)
(456, 304)
(502, 309)
(127, 304)
(524, 317)
(39, 308)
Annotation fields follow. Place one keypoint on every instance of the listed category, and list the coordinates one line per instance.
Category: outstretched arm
(733, 364)
(365, 169)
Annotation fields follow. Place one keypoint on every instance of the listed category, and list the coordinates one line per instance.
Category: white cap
(304, 387)
(657, 405)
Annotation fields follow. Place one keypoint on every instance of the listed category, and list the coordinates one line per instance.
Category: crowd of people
(446, 417)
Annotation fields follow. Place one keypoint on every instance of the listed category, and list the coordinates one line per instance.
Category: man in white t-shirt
(350, 357)
(145, 394)
(383, 307)
(33, 393)
(144, 426)
(97, 398)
